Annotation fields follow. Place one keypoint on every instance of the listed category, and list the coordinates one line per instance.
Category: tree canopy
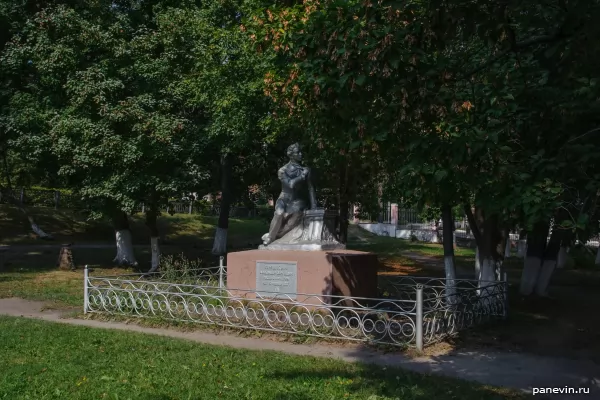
(491, 106)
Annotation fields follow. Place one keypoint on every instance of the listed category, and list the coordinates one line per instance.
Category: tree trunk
(343, 202)
(477, 264)
(488, 271)
(65, 259)
(344, 221)
(536, 245)
(521, 248)
(448, 243)
(549, 262)
(522, 244)
(507, 248)
(477, 235)
(34, 227)
(563, 256)
(220, 243)
(485, 230)
(125, 254)
(151, 216)
(502, 240)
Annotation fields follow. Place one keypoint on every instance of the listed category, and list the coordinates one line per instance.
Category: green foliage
(477, 103)
(471, 102)
(133, 103)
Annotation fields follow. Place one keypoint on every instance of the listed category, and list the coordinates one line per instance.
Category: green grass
(392, 246)
(58, 288)
(405, 256)
(74, 227)
(32, 274)
(42, 360)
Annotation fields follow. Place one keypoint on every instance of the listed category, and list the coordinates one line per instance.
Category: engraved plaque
(274, 277)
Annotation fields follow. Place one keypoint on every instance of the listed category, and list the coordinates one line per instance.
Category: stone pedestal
(306, 276)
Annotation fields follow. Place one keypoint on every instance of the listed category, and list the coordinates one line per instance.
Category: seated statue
(295, 226)
(291, 203)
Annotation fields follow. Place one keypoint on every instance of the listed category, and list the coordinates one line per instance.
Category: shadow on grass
(63, 225)
(25, 261)
(193, 229)
(130, 365)
(389, 383)
(565, 324)
(70, 226)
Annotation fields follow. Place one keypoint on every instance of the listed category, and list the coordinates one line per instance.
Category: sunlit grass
(44, 360)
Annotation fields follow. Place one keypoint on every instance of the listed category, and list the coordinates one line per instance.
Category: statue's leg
(276, 223)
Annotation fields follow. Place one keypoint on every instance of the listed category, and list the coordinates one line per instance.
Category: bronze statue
(295, 226)
(291, 203)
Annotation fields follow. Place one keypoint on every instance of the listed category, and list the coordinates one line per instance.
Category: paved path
(512, 370)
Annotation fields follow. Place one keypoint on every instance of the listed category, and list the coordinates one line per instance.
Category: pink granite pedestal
(319, 274)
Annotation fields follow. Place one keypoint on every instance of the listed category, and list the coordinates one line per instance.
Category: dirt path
(512, 370)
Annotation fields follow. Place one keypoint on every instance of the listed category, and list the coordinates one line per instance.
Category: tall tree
(120, 131)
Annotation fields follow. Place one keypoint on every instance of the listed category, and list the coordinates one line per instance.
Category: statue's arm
(281, 174)
(291, 182)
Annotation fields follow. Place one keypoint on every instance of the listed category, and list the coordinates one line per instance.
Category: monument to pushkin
(301, 253)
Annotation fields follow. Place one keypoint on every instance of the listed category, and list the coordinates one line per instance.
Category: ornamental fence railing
(409, 311)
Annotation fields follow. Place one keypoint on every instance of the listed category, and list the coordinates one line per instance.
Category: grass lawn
(567, 324)
(32, 274)
(68, 226)
(42, 360)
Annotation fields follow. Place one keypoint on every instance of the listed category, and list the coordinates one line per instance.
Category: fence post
(56, 199)
(85, 289)
(221, 268)
(505, 287)
(191, 206)
(22, 197)
(419, 319)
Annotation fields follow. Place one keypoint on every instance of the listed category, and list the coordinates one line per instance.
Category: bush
(178, 268)
(203, 207)
(583, 257)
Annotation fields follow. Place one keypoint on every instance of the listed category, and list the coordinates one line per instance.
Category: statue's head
(294, 152)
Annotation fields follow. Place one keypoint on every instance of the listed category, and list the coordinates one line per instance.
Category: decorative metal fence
(410, 311)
